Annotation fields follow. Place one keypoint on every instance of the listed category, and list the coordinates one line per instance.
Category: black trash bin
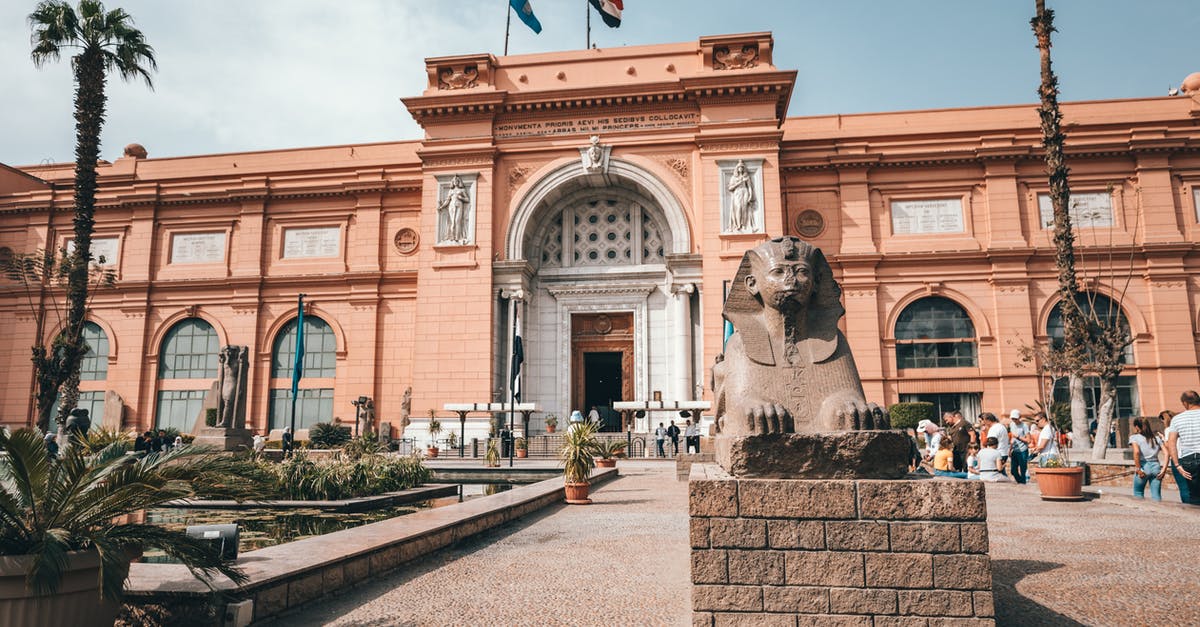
(506, 441)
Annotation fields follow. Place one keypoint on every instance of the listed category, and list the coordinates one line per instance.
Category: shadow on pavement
(1013, 608)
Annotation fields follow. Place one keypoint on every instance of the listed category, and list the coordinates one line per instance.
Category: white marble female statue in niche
(741, 199)
(455, 206)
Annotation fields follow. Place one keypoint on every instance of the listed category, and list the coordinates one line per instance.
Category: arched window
(94, 366)
(93, 370)
(189, 351)
(320, 350)
(314, 401)
(1095, 307)
(935, 332)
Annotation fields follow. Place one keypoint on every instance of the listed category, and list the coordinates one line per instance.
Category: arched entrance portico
(602, 264)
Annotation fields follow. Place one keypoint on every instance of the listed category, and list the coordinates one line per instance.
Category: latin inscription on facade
(108, 248)
(598, 124)
(1088, 210)
(915, 217)
(311, 242)
(198, 247)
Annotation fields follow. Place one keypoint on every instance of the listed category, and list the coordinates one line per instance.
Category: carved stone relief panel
(741, 195)
(460, 77)
(456, 208)
(735, 57)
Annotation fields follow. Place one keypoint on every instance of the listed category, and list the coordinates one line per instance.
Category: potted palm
(609, 451)
(522, 447)
(1059, 481)
(64, 546)
(578, 458)
(435, 427)
(551, 423)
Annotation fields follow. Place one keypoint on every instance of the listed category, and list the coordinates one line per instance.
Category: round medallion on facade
(810, 223)
(407, 241)
(603, 324)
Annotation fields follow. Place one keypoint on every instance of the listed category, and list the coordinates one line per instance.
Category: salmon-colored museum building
(608, 196)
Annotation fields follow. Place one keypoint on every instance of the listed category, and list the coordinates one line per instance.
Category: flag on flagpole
(298, 365)
(610, 11)
(518, 357)
(525, 11)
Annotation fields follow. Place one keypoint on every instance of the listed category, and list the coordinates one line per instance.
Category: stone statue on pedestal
(406, 408)
(231, 411)
(787, 371)
(229, 433)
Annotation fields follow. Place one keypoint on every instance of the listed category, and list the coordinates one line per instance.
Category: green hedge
(304, 479)
(905, 415)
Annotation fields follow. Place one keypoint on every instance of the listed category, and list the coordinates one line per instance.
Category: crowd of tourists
(1001, 448)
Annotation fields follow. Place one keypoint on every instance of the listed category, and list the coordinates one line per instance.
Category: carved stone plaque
(304, 243)
(810, 223)
(198, 247)
(913, 217)
(107, 247)
(406, 241)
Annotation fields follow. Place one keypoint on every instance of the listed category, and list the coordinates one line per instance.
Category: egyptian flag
(518, 357)
(525, 12)
(610, 11)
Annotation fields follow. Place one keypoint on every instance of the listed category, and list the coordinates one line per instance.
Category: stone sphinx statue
(786, 387)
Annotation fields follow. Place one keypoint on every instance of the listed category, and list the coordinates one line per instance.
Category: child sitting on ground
(973, 461)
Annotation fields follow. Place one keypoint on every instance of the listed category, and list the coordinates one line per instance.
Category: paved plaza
(625, 561)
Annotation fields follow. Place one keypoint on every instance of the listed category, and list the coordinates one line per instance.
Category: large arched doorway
(605, 316)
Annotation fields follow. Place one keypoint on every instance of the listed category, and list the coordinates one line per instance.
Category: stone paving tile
(1107, 561)
(624, 560)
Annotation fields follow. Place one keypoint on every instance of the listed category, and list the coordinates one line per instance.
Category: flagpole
(296, 363)
(588, 10)
(512, 398)
(507, 24)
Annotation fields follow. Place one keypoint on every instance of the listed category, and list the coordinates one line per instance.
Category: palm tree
(104, 41)
(1074, 327)
(49, 507)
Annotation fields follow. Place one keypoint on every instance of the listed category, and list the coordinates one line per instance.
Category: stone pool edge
(286, 576)
(358, 504)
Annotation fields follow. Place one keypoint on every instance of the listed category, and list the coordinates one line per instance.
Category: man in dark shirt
(673, 433)
(959, 431)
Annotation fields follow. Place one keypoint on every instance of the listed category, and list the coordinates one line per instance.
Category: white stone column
(681, 363)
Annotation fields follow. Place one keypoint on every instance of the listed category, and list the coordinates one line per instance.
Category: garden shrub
(905, 415)
(326, 435)
(300, 478)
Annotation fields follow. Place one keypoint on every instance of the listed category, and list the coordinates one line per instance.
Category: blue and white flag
(525, 12)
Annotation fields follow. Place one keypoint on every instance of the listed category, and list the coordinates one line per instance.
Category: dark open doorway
(602, 386)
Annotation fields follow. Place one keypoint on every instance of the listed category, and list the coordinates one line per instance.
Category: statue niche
(787, 390)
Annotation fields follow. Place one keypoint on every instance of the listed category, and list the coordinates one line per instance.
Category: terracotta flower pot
(1060, 484)
(551, 428)
(77, 601)
(431, 452)
(522, 453)
(577, 494)
(611, 462)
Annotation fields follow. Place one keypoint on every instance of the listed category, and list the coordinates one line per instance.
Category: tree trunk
(1079, 418)
(65, 354)
(1104, 417)
(1053, 140)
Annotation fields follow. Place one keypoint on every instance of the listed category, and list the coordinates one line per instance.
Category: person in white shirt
(1047, 440)
(998, 431)
(691, 437)
(933, 437)
(1146, 445)
(1183, 443)
(660, 437)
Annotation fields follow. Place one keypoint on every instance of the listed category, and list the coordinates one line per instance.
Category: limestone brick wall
(838, 552)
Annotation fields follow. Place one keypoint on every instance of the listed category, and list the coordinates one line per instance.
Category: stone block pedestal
(838, 552)
(225, 439)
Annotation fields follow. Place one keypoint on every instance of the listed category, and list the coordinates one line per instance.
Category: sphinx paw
(769, 418)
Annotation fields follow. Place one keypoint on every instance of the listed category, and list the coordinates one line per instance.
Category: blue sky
(239, 75)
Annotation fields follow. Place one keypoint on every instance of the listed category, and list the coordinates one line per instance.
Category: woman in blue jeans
(1146, 445)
